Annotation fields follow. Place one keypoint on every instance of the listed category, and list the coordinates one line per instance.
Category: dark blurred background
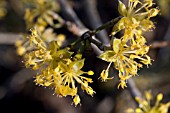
(19, 94)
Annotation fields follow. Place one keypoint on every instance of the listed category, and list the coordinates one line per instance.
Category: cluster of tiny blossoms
(60, 68)
(146, 107)
(129, 52)
(40, 14)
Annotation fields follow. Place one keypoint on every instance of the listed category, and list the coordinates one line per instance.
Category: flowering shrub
(61, 66)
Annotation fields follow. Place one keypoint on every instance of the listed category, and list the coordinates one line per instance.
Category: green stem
(89, 34)
(76, 42)
(106, 25)
(99, 44)
(83, 37)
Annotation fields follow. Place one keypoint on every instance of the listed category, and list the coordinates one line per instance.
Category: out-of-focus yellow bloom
(164, 7)
(123, 57)
(148, 95)
(3, 10)
(41, 14)
(60, 39)
(146, 107)
(47, 36)
(90, 72)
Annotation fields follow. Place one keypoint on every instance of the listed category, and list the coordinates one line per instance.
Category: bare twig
(18, 81)
(160, 44)
(8, 38)
(73, 28)
(69, 13)
(134, 91)
(94, 19)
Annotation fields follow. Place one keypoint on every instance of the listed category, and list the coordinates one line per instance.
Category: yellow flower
(36, 39)
(105, 73)
(159, 97)
(90, 72)
(135, 19)
(3, 10)
(71, 72)
(146, 107)
(76, 100)
(60, 69)
(21, 50)
(123, 57)
(40, 14)
(148, 95)
(39, 39)
(60, 39)
(122, 84)
(65, 76)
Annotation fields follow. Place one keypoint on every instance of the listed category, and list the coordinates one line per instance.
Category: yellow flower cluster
(40, 14)
(129, 53)
(60, 68)
(135, 20)
(145, 105)
(3, 9)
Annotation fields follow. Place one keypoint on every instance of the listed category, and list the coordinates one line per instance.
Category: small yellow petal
(104, 75)
(138, 110)
(76, 100)
(90, 73)
(122, 8)
(129, 110)
(148, 95)
(21, 50)
(153, 12)
(61, 37)
(122, 84)
(47, 83)
(90, 91)
(116, 45)
(138, 99)
(159, 97)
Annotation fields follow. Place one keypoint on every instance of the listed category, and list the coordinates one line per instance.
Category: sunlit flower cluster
(129, 52)
(135, 18)
(145, 105)
(123, 57)
(59, 68)
(40, 14)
